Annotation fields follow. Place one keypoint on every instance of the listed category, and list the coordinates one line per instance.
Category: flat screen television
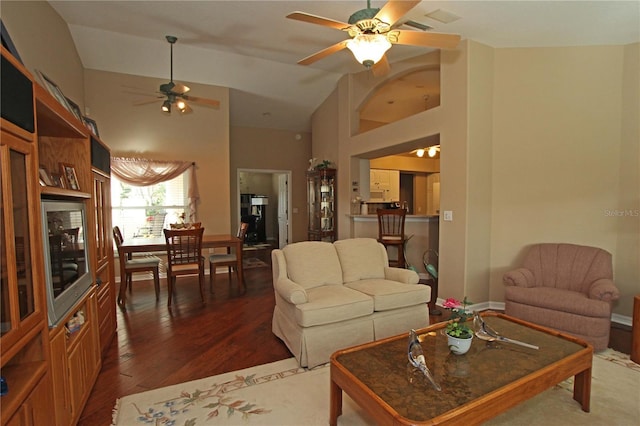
(66, 254)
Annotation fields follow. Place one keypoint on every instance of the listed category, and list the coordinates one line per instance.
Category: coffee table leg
(335, 404)
(582, 389)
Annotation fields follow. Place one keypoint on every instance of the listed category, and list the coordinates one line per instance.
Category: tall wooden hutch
(49, 371)
(321, 204)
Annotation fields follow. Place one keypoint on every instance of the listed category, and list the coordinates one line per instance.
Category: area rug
(283, 394)
(253, 262)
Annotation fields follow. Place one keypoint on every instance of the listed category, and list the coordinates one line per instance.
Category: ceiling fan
(175, 94)
(373, 32)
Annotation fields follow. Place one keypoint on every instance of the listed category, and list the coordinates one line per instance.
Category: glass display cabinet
(321, 200)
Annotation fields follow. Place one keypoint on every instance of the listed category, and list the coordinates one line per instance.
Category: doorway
(272, 186)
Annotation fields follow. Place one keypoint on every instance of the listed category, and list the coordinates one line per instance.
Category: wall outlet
(448, 215)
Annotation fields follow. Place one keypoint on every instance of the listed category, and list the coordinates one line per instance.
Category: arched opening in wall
(405, 95)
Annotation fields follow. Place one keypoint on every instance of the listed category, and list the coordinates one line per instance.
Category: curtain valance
(146, 172)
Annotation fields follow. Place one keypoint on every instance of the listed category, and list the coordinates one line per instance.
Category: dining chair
(184, 256)
(147, 263)
(391, 232)
(229, 259)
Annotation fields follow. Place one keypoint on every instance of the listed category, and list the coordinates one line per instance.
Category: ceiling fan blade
(148, 101)
(202, 101)
(419, 38)
(323, 53)
(381, 67)
(180, 89)
(318, 20)
(394, 10)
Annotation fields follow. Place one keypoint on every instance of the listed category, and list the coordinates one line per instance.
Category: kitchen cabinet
(321, 200)
(384, 185)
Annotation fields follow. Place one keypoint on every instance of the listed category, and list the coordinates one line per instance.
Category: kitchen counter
(422, 231)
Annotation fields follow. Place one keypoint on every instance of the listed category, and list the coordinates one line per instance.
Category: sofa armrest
(405, 276)
(604, 289)
(521, 277)
(291, 292)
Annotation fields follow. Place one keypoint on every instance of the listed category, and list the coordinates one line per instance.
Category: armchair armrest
(521, 277)
(604, 289)
(291, 292)
(405, 276)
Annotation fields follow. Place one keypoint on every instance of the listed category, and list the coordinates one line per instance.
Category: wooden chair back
(184, 246)
(391, 225)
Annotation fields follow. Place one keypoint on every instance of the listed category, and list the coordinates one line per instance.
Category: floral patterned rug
(283, 394)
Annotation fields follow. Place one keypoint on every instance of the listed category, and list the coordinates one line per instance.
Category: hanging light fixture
(166, 106)
(368, 48)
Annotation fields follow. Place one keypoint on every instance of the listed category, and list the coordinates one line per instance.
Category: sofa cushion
(389, 295)
(313, 263)
(559, 300)
(330, 304)
(360, 258)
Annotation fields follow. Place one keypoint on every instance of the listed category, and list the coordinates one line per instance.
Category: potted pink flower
(459, 334)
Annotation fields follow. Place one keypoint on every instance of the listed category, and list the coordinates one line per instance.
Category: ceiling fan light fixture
(181, 105)
(368, 49)
(166, 106)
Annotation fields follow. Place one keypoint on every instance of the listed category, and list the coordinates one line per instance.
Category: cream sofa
(330, 296)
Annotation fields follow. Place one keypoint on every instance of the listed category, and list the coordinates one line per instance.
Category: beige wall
(144, 131)
(44, 43)
(274, 151)
(539, 145)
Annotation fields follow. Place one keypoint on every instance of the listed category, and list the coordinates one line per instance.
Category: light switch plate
(448, 215)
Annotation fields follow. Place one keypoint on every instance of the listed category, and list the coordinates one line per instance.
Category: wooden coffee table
(486, 381)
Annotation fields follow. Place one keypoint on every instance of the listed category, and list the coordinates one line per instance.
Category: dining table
(159, 244)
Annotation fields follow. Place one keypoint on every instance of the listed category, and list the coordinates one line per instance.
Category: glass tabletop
(488, 366)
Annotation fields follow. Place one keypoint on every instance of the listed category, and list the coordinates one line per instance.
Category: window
(143, 211)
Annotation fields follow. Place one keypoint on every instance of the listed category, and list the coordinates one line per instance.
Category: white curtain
(145, 172)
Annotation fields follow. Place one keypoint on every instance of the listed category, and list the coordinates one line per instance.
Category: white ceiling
(250, 47)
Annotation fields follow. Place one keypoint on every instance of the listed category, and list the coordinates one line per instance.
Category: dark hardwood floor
(157, 347)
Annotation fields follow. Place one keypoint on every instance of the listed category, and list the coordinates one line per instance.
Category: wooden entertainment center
(49, 370)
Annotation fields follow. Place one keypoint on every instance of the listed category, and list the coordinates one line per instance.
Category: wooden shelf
(52, 191)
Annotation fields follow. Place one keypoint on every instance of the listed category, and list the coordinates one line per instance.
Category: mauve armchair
(566, 287)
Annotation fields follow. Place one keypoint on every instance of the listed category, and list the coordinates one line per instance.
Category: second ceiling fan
(372, 33)
(175, 94)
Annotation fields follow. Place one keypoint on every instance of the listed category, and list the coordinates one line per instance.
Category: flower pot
(459, 346)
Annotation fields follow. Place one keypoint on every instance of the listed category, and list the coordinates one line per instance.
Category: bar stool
(391, 233)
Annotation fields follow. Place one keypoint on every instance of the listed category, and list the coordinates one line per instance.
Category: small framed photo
(69, 176)
(44, 177)
(91, 125)
(57, 180)
(55, 91)
(75, 109)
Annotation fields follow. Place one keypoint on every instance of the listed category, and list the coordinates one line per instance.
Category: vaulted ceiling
(250, 47)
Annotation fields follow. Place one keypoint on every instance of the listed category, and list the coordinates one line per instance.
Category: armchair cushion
(555, 299)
